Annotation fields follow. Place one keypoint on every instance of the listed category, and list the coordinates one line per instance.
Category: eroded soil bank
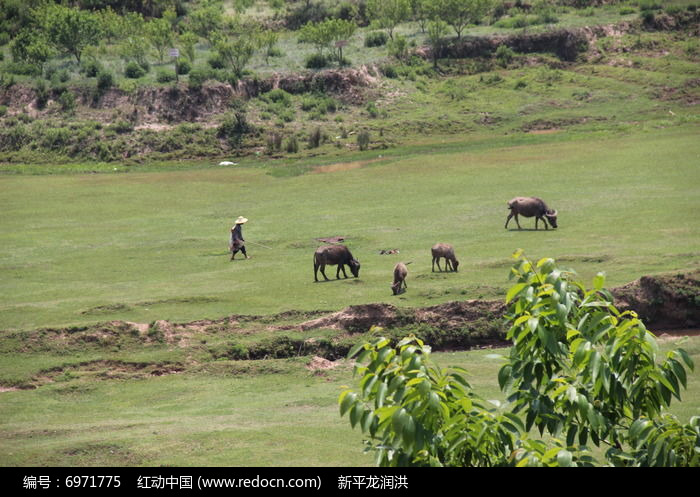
(665, 303)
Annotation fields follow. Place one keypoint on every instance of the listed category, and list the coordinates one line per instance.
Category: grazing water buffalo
(400, 273)
(332, 255)
(448, 252)
(529, 207)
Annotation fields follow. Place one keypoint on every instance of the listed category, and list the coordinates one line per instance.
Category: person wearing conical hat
(237, 242)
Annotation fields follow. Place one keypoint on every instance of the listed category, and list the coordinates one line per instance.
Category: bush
(121, 127)
(23, 69)
(3, 110)
(315, 138)
(363, 140)
(504, 55)
(390, 72)
(278, 95)
(376, 39)
(67, 102)
(234, 128)
(216, 62)
(292, 145)
(316, 61)
(133, 70)
(372, 109)
(184, 67)
(164, 76)
(197, 77)
(90, 67)
(105, 80)
(274, 142)
(42, 94)
(319, 104)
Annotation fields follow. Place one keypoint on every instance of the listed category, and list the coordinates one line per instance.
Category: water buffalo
(400, 273)
(332, 255)
(529, 207)
(448, 252)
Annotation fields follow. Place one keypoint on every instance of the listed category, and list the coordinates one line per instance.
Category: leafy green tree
(387, 14)
(113, 25)
(579, 370)
(160, 35)
(437, 30)
(236, 53)
(207, 21)
(422, 12)
(460, 13)
(267, 40)
(329, 34)
(187, 42)
(134, 44)
(32, 47)
(71, 29)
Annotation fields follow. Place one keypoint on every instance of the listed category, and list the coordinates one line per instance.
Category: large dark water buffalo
(335, 255)
(529, 207)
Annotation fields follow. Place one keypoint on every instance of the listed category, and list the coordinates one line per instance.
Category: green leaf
(356, 349)
(356, 414)
(686, 359)
(347, 399)
(382, 390)
(504, 376)
(515, 290)
(663, 380)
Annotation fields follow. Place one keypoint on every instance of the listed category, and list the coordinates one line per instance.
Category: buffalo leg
(323, 271)
(510, 216)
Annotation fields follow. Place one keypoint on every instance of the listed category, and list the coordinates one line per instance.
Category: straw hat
(241, 220)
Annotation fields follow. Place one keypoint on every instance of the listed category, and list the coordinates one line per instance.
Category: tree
(460, 13)
(207, 21)
(32, 47)
(187, 41)
(388, 14)
(421, 12)
(134, 45)
(579, 370)
(437, 30)
(267, 41)
(71, 29)
(236, 53)
(160, 36)
(329, 34)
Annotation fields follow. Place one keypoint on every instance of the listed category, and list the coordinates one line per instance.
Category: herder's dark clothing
(237, 242)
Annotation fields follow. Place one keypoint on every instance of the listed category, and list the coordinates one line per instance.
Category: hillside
(576, 72)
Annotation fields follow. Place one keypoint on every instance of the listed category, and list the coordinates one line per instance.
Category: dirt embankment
(182, 103)
(567, 44)
(664, 303)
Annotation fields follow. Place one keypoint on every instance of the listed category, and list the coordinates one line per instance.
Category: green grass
(274, 413)
(145, 246)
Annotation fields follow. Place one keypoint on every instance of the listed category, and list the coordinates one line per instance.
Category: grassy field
(84, 248)
(274, 413)
(610, 141)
